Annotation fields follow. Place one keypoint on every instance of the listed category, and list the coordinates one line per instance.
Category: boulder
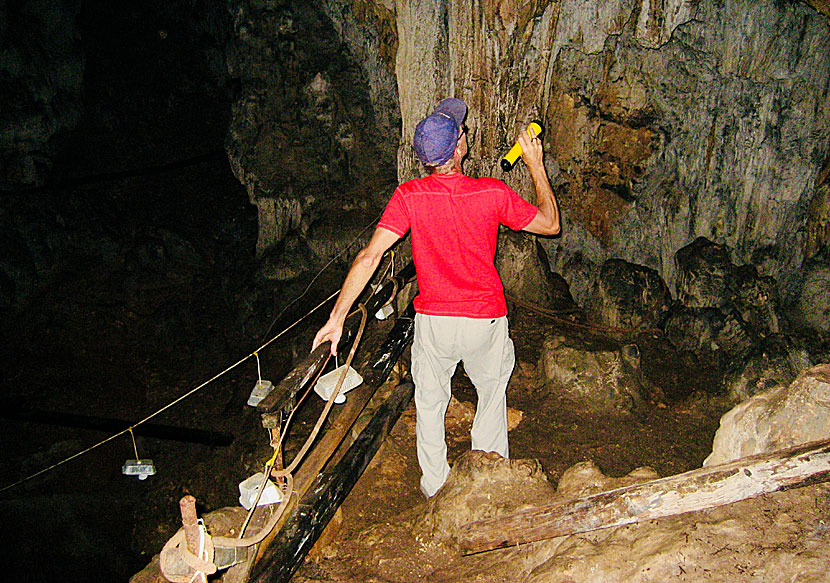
(775, 419)
(627, 295)
(776, 361)
(481, 485)
(712, 335)
(812, 305)
(707, 278)
(586, 479)
(597, 375)
(526, 275)
(756, 299)
(704, 274)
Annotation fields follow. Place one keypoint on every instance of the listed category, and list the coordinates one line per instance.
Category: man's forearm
(545, 199)
(360, 273)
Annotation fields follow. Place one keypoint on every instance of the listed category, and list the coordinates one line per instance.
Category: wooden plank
(282, 397)
(699, 489)
(286, 553)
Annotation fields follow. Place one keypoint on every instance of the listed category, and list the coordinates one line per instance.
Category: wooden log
(374, 375)
(285, 554)
(699, 489)
(154, 430)
(282, 397)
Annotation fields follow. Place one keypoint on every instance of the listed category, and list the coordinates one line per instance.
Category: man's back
(454, 221)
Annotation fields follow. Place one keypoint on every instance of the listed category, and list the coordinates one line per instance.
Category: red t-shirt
(454, 221)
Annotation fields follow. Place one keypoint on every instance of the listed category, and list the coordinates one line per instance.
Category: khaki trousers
(485, 348)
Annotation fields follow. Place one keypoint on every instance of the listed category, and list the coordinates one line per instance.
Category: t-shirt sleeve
(395, 217)
(516, 212)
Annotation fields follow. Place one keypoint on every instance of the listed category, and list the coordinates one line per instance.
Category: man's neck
(454, 169)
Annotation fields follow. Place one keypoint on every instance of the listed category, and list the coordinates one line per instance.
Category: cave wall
(41, 74)
(316, 122)
(666, 120)
(76, 67)
(714, 126)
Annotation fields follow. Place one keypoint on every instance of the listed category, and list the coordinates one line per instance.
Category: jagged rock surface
(305, 132)
(782, 417)
(41, 74)
(669, 120)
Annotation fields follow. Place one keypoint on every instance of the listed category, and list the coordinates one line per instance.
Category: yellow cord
(204, 384)
(135, 448)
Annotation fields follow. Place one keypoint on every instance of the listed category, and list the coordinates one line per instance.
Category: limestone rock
(712, 335)
(776, 419)
(756, 300)
(707, 278)
(585, 479)
(481, 485)
(629, 296)
(812, 305)
(304, 132)
(724, 97)
(721, 142)
(776, 361)
(818, 219)
(596, 375)
(704, 274)
(526, 275)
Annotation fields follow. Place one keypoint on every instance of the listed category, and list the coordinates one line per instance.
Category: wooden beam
(286, 553)
(699, 489)
(169, 432)
(374, 375)
(282, 397)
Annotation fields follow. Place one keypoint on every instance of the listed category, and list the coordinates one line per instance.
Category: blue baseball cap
(437, 134)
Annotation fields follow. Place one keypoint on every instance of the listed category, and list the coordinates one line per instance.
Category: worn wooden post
(699, 489)
(190, 523)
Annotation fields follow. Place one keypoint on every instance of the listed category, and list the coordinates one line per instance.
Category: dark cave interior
(145, 246)
(132, 249)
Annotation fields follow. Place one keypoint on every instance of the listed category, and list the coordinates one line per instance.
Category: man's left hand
(331, 332)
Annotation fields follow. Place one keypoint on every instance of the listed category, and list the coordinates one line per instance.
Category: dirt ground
(388, 532)
(669, 436)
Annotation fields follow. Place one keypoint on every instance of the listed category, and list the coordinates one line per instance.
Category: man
(461, 313)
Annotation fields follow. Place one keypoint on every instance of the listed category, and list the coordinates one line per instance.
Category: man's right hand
(547, 220)
(532, 151)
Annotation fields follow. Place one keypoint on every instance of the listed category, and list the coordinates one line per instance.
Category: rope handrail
(210, 380)
(169, 405)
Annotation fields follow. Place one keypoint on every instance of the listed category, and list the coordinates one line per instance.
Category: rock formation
(666, 120)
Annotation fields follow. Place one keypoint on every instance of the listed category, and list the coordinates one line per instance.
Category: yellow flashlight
(516, 151)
